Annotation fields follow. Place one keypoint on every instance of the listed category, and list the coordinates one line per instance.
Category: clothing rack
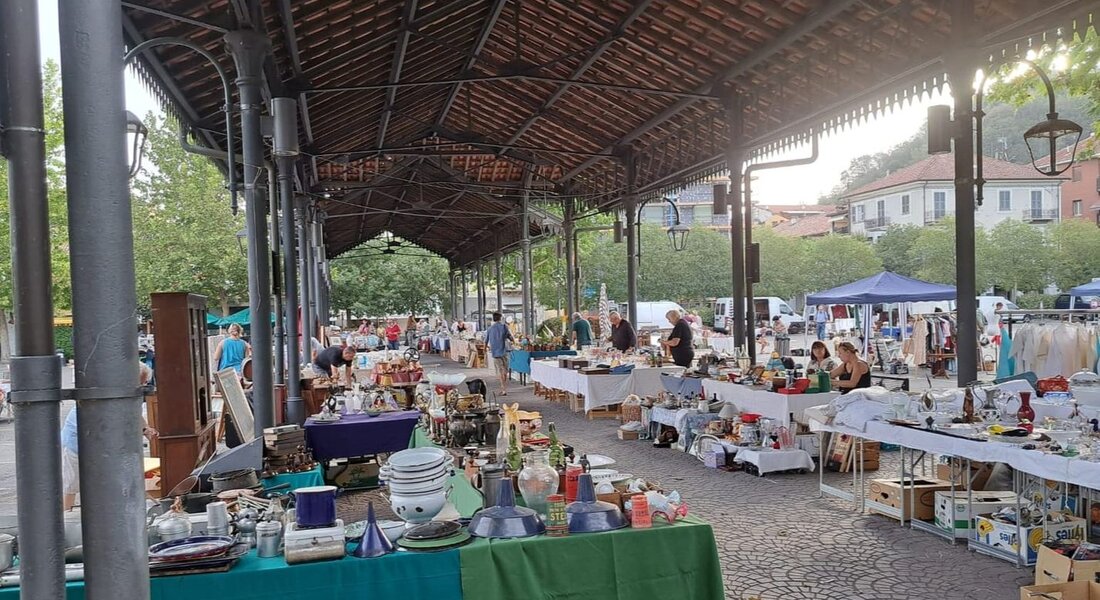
(1061, 312)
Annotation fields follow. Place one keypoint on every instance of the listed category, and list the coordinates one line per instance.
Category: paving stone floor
(777, 540)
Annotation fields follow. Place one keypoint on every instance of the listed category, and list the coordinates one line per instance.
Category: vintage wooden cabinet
(183, 404)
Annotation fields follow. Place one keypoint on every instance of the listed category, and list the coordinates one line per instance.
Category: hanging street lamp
(137, 133)
(1047, 133)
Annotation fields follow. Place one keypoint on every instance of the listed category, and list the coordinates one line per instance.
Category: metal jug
(489, 480)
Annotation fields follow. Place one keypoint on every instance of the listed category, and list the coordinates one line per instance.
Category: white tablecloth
(1048, 466)
(767, 404)
(767, 460)
(601, 390)
(672, 418)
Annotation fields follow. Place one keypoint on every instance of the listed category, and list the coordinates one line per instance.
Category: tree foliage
(893, 249)
(184, 232)
(1017, 256)
(56, 198)
(374, 285)
(1075, 253)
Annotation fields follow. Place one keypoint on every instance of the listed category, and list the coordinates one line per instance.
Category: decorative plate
(599, 460)
(600, 475)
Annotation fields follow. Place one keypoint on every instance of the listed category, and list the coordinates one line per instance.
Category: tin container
(269, 538)
(572, 473)
(557, 522)
(639, 512)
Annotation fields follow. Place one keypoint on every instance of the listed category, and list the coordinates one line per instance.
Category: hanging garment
(1006, 365)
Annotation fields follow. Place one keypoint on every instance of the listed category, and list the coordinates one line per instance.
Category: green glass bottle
(557, 453)
(515, 456)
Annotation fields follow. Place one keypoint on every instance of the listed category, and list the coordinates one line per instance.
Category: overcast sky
(793, 185)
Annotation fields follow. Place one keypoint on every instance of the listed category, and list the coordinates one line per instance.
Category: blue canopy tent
(883, 288)
(1091, 288)
(886, 287)
(241, 317)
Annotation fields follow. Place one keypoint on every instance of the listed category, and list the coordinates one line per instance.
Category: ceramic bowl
(420, 477)
(417, 459)
(392, 529)
(418, 508)
(418, 488)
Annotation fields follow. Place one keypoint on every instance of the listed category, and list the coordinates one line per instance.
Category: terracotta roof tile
(941, 167)
(811, 226)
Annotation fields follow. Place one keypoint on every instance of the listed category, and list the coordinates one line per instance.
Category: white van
(651, 315)
(765, 307)
(987, 305)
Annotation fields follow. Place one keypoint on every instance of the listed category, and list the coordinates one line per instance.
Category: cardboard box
(891, 493)
(810, 443)
(948, 508)
(715, 458)
(1003, 535)
(1053, 567)
(627, 435)
(979, 473)
(354, 475)
(1074, 590)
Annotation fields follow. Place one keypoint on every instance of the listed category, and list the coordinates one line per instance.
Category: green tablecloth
(296, 480)
(668, 561)
(464, 496)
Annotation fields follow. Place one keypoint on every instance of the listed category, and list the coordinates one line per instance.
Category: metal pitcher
(489, 480)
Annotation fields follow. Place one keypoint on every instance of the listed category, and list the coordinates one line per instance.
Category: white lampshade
(728, 412)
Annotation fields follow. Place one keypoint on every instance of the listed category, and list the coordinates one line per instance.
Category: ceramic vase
(537, 481)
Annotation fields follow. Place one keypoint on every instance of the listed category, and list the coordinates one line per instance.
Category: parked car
(988, 304)
(1065, 301)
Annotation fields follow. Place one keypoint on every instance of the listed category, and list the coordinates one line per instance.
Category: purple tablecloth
(360, 435)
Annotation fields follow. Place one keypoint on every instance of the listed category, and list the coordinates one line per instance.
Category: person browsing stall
(623, 336)
(821, 321)
(820, 359)
(679, 341)
(497, 338)
(232, 351)
(581, 331)
(393, 335)
(852, 373)
(330, 359)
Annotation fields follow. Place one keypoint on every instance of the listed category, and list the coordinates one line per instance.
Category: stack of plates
(419, 479)
(201, 553)
(431, 537)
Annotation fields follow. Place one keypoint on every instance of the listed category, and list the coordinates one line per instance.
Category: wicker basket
(631, 412)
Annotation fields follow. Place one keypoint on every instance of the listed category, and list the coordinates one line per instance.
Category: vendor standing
(232, 351)
(679, 341)
(497, 337)
(330, 359)
(623, 337)
(581, 331)
(393, 335)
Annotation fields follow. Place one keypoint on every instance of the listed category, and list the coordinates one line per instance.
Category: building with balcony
(924, 194)
(696, 204)
(1081, 190)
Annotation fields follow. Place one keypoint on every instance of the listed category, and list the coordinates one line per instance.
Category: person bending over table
(679, 341)
(330, 359)
(581, 330)
(852, 373)
(623, 336)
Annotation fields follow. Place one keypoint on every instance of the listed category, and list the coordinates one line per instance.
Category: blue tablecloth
(308, 478)
(519, 361)
(361, 435)
(676, 384)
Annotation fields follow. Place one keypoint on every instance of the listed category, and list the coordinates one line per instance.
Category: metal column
(961, 70)
(571, 305)
(742, 330)
(35, 373)
(318, 276)
(630, 207)
(305, 259)
(248, 49)
(530, 326)
(480, 291)
(285, 149)
(451, 292)
(276, 283)
(499, 268)
(462, 290)
(101, 247)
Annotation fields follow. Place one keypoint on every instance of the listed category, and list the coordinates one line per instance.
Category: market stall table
(780, 407)
(601, 390)
(682, 386)
(722, 344)
(684, 420)
(303, 479)
(770, 460)
(519, 361)
(360, 435)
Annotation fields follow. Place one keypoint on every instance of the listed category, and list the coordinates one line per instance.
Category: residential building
(696, 205)
(924, 193)
(828, 220)
(1081, 190)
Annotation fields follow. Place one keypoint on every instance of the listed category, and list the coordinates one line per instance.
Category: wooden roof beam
(483, 37)
(814, 20)
(395, 69)
(620, 28)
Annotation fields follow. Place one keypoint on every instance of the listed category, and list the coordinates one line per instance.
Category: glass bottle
(557, 453)
(1025, 412)
(514, 458)
(537, 481)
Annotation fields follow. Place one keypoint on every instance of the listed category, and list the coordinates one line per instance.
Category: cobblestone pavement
(776, 539)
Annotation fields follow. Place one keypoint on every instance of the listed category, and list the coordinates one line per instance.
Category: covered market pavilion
(471, 128)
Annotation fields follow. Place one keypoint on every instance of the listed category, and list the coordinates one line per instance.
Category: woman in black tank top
(852, 373)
